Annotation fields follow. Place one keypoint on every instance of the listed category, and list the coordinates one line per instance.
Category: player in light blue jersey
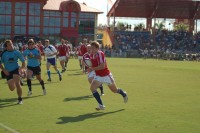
(9, 65)
(33, 65)
(50, 53)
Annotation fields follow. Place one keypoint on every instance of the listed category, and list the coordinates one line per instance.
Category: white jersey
(49, 50)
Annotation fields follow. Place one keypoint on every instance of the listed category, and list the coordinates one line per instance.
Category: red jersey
(86, 55)
(83, 49)
(78, 51)
(63, 50)
(98, 59)
(24, 47)
(41, 48)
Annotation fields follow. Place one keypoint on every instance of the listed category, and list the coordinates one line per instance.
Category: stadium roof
(179, 9)
(57, 5)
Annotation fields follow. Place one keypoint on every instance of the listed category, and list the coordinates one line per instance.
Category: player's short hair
(95, 44)
(31, 41)
(6, 43)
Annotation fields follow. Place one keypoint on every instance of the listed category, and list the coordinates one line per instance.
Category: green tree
(160, 26)
(181, 27)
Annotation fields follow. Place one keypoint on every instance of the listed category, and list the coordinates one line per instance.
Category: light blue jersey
(10, 59)
(32, 61)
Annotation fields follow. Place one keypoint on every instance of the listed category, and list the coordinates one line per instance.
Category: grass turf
(163, 98)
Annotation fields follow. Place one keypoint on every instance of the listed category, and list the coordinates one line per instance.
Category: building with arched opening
(50, 19)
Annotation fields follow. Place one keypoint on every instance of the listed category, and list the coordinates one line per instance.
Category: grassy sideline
(164, 97)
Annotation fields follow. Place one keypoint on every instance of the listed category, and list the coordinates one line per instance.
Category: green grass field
(164, 97)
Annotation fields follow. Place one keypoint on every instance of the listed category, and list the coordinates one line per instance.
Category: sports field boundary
(8, 128)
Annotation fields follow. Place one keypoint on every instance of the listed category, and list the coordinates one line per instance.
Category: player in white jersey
(50, 53)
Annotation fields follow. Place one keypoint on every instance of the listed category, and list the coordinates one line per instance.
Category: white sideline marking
(8, 128)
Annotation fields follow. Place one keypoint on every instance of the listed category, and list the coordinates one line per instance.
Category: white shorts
(109, 80)
(91, 74)
(80, 57)
(62, 58)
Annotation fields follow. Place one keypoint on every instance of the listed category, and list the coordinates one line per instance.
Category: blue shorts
(52, 61)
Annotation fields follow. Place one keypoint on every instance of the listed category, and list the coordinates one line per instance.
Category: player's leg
(114, 89)
(29, 84)
(91, 76)
(16, 78)
(37, 72)
(62, 63)
(112, 85)
(11, 84)
(56, 69)
(93, 87)
(48, 64)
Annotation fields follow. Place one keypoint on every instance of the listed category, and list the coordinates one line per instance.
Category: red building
(50, 19)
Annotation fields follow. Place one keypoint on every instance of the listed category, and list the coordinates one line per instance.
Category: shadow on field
(73, 69)
(75, 74)
(12, 101)
(85, 116)
(78, 98)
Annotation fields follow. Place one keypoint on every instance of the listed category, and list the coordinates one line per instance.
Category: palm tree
(160, 26)
(181, 27)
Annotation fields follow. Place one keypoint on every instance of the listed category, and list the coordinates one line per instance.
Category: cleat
(49, 79)
(44, 92)
(60, 77)
(125, 98)
(29, 93)
(20, 102)
(63, 70)
(102, 94)
(100, 107)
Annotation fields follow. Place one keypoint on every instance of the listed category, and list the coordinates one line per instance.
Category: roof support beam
(154, 12)
(196, 10)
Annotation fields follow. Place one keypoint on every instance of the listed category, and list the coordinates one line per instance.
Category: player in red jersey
(63, 51)
(41, 48)
(103, 75)
(80, 56)
(83, 49)
(68, 54)
(24, 47)
(91, 74)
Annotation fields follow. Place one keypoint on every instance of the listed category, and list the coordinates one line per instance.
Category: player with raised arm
(103, 75)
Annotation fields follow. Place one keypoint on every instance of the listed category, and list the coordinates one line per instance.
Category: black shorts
(10, 76)
(36, 70)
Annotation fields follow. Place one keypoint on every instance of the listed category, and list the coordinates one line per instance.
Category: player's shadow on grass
(69, 119)
(75, 74)
(13, 101)
(73, 69)
(78, 98)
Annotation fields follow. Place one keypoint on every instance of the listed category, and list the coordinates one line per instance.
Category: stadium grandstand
(174, 44)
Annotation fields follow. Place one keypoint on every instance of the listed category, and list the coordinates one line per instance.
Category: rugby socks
(29, 84)
(19, 99)
(120, 91)
(97, 97)
(42, 84)
(101, 88)
(49, 74)
(58, 72)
